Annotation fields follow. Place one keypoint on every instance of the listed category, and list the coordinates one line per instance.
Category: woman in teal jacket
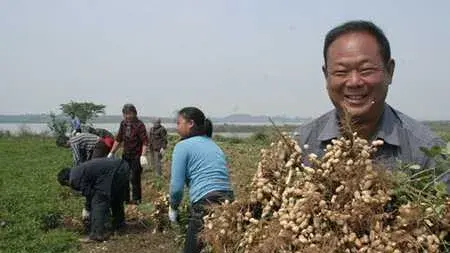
(200, 164)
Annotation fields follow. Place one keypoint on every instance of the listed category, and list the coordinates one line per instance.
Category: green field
(30, 192)
(31, 197)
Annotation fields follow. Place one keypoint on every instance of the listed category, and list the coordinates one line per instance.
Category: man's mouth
(355, 99)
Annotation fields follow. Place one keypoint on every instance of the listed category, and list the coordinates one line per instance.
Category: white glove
(173, 214)
(144, 161)
(85, 214)
(110, 155)
(162, 151)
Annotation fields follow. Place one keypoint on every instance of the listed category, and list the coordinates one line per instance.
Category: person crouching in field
(157, 142)
(200, 164)
(133, 134)
(87, 146)
(103, 182)
(100, 132)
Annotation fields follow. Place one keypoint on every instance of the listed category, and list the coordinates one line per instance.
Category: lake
(114, 127)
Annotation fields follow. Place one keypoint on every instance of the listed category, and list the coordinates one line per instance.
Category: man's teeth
(356, 97)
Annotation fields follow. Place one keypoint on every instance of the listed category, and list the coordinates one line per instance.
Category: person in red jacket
(133, 134)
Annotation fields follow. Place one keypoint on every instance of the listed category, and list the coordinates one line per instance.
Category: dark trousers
(198, 211)
(101, 204)
(156, 158)
(135, 180)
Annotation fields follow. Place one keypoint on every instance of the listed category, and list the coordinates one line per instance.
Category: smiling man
(358, 69)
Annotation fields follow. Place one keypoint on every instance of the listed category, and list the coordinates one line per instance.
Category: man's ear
(390, 70)
(324, 71)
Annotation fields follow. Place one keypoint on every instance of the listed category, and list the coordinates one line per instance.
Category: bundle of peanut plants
(343, 201)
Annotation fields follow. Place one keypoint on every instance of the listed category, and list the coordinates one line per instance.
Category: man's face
(357, 79)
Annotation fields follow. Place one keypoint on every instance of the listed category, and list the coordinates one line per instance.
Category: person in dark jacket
(103, 183)
(157, 142)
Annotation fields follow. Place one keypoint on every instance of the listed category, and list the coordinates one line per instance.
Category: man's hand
(110, 155)
(85, 214)
(173, 215)
(143, 161)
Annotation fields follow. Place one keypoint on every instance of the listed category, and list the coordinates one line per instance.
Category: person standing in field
(157, 141)
(358, 70)
(103, 183)
(133, 134)
(200, 164)
(75, 124)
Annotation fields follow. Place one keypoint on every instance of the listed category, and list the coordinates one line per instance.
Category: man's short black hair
(64, 176)
(359, 26)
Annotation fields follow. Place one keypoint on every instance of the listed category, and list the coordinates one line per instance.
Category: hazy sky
(229, 56)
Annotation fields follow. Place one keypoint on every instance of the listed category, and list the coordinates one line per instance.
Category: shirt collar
(387, 129)
(331, 129)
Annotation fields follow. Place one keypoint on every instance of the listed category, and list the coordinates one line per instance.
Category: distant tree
(58, 126)
(85, 111)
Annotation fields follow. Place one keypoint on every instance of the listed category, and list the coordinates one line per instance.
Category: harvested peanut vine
(341, 202)
(155, 213)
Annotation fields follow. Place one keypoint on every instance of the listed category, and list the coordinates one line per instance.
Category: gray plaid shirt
(402, 135)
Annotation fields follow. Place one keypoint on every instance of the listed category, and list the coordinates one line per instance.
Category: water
(43, 128)
(114, 127)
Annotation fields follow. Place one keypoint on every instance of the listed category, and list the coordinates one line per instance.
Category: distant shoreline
(171, 127)
(238, 119)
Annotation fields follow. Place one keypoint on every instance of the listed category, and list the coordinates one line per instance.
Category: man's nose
(354, 79)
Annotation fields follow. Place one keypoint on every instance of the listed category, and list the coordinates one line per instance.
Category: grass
(29, 192)
(442, 128)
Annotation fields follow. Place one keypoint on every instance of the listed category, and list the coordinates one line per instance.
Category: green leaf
(447, 149)
(432, 152)
(441, 189)
(426, 151)
(440, 209)
(436, 150)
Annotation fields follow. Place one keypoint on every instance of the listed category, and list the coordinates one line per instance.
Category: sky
(225, 56)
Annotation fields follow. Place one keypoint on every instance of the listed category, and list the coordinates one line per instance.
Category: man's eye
(340, 73)
(367, 71)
